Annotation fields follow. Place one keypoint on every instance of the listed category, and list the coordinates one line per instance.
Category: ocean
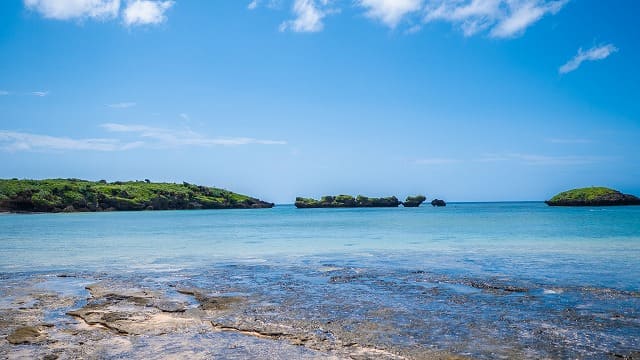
(482, 280)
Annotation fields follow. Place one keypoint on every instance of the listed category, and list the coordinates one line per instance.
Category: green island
(593, 196)
(360, 201)
(74, 195)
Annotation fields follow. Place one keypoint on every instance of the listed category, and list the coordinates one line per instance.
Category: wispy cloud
(162, 137)
(134, 12)
(139, 136)
(20, 141)
(253, 4)
(593, 54)
(497, 18)
(185, 116)
(436, 161)
(144, 12)
(122, 105)
(40, 93)
(542, 160)
(308, 16)
(503, 18)
(523, 14)
(3, 92)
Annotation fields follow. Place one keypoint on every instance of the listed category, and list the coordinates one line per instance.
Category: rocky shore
(70, 316)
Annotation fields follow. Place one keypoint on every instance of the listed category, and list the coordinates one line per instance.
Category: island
(414, 201)
(593, 196)
(346, 201)
(74, 195)
(438, 203)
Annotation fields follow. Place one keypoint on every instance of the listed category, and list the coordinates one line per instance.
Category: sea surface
(484, 280)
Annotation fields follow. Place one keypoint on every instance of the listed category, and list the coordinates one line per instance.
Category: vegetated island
(74, 195)
(348, 201)
(593, 196)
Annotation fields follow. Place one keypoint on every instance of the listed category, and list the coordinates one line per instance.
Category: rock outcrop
(73, 195)
(346, 201)
(414, 201)
(438, 203)
(593, 196)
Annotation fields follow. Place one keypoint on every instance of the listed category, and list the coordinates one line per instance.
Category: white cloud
(135, 12)
(252, 5)
(141, 137)
(308, 16)
(593, 54)
(40, 93)
(175, 138)
(16, 141)
(74, 9)
(522, 14)
(390, 12)
(504, 18)
(499, 18)
(143, 12)
(185, 117)
(122, 105)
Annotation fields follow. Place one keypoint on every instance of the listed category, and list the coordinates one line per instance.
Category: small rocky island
(593, 196)
(438, 203)
(74, 195)
(348, 201)
(414, 201)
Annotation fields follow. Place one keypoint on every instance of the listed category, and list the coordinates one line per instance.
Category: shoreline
(254, 310)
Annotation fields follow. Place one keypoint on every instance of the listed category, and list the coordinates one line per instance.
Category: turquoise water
(558, 282)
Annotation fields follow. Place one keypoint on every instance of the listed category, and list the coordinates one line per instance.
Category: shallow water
(485, 280)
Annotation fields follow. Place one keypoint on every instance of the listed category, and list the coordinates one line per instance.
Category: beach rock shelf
(74, 195)
(348, 201)
(593, 196)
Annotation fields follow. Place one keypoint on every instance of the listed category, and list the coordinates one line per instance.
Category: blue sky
(468, 100)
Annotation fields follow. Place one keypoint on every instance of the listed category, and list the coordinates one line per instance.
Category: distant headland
(593, 196)
(74, 195)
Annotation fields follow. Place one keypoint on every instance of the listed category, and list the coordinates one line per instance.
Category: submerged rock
(209, 302)
(593, 196)
(132, 311)
(25, 335)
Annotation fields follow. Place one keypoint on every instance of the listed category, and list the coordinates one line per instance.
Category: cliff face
(346, 201)
(73, 195)
(594, 196)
